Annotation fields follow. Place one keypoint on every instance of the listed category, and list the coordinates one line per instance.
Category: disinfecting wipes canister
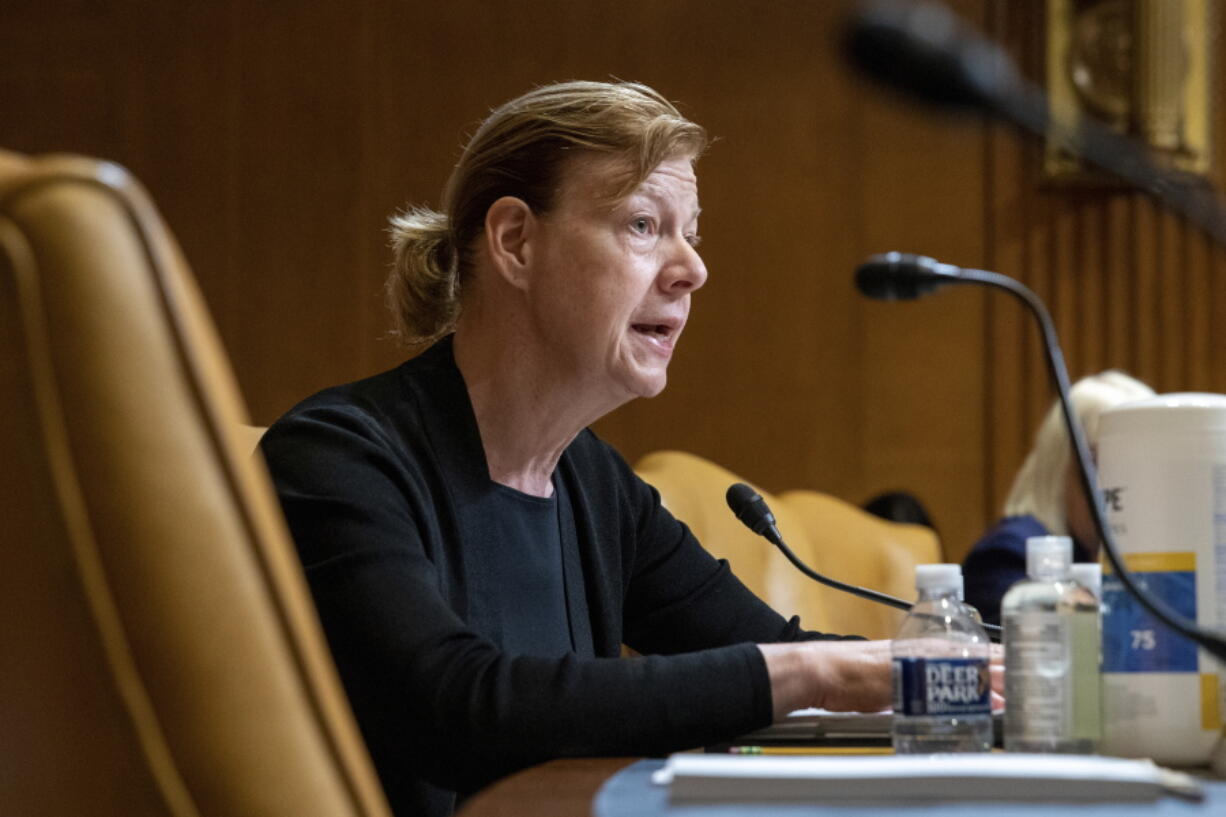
(1162, 470)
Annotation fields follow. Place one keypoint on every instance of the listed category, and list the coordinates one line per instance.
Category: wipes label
(1133, 639)
(941, 686)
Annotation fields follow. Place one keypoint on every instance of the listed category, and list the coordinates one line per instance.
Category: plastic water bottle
(1052, 678)
(970, 609)
(942, 685)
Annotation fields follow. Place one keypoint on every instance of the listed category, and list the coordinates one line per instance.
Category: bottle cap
(938, 577)
(1090, 576)
(1048, 557)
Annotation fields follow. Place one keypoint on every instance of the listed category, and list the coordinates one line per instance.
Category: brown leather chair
(832, 536)
(160, 652)
(250, 436)
(853, 546)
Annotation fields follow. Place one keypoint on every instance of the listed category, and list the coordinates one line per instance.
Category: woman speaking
(476, 554)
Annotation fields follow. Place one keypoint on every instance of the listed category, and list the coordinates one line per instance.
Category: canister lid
(1178, 412)
(1048, 557)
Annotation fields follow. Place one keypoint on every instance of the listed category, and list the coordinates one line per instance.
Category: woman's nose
(684, 271)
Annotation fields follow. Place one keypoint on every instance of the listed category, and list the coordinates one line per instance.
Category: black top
(386, 491)
(522, 607)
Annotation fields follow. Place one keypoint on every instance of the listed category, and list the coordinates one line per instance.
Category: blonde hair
(1039, 487)
(518, 151)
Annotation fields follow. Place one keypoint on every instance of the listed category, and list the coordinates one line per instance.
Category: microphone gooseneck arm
(752, 510)
(1210, 641)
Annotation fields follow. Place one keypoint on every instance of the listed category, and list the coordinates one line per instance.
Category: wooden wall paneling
(922, 370)
(1021, 245)
(1066, 276)
(782, 203)
(1196, 261)
(1173, 300)
(1145, 284)
(1038, 275)
(1091, 351)
(173, 79)
(1008, 328)
(56, 79)
(297, 166)
(277, 138)
(1207, 364)
(753, 383)
(761, 380)
(1217, 320)
(1118, 260)
(1122, 278)
(1042, 272)
(421, 98)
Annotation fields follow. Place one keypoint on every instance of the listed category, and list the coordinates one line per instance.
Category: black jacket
(383, 482)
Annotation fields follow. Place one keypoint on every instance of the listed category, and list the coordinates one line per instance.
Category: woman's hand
(997, 669)
(842, 676)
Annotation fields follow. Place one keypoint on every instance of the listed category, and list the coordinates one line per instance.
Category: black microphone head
(901, 276)
(922, 49)
(751, 509)
(740, 496)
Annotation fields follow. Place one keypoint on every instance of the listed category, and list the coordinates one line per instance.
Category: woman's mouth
(659, 336)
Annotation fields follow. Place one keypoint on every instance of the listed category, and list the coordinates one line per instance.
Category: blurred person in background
(1046, 498)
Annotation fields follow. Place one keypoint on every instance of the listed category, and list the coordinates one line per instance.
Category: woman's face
(612, 282)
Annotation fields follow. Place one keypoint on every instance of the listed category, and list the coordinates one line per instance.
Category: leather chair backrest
(853, 546)
(250, 436)
(693, 489)
(161, 654)
(833, 536)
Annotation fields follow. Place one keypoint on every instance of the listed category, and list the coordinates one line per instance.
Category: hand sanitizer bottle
(1051, 655)
(1088, 661)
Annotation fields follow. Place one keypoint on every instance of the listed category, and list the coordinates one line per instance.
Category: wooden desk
(559, 788)
(567, 788)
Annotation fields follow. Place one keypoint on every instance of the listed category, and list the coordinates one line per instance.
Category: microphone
(753, 512)
(751, 509)
(907, 273)
(926, 51)
(902, 276)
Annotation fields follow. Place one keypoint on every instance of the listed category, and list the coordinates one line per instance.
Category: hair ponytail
(423, 288)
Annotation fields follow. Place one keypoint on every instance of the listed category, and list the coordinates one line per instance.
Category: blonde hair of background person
(1046, 487)
(517, 152)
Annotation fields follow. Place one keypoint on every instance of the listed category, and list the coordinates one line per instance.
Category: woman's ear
(509, 225)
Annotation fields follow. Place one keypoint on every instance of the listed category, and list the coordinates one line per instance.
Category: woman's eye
(694, 240)
(641, 225)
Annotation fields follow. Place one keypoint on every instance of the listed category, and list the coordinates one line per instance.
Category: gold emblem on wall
(1141, 67)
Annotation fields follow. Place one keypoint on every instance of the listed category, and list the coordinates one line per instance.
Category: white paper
(912, 778)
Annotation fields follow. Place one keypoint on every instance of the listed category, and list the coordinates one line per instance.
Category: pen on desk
(810, 750)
